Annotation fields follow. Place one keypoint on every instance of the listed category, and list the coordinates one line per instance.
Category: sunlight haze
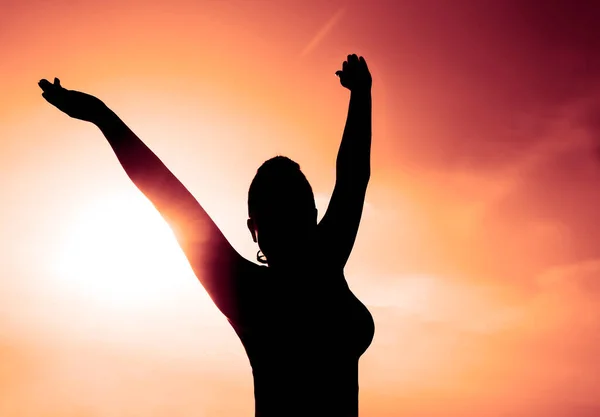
(477, 253)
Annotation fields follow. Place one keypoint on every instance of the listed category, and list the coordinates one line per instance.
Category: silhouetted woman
(302, 328)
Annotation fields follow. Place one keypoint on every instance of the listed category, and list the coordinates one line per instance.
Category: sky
(476, 253)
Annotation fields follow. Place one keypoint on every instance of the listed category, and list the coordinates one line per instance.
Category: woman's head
(281, 208)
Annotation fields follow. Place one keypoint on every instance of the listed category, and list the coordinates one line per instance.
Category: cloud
(582, 277)
(461, 306)
(535, 357)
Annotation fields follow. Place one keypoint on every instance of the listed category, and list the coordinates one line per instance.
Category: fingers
(48, 86)
(351, 61)
(45, 85)
(362, 61)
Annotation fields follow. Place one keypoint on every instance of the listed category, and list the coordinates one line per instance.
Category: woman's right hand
(76, 104)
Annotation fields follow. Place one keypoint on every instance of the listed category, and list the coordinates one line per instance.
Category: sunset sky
(478, 251)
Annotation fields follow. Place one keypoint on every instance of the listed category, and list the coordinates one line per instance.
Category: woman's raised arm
(339, 225)
(215, 262)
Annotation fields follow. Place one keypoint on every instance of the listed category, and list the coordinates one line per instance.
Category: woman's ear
(250, 224)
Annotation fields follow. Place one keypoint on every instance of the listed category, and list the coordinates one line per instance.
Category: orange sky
(477, 252)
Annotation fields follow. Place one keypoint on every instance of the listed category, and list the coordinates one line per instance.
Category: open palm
(76, 104)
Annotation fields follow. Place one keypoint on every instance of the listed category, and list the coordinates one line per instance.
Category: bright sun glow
(121, 254)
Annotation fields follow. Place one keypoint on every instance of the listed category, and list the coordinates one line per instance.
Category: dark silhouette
(302, 327)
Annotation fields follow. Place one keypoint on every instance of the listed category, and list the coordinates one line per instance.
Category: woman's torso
(304, 338)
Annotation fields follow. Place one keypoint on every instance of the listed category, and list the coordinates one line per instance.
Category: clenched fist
(355, 74)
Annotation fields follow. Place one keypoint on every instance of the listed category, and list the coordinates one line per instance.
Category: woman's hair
(277, 178)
